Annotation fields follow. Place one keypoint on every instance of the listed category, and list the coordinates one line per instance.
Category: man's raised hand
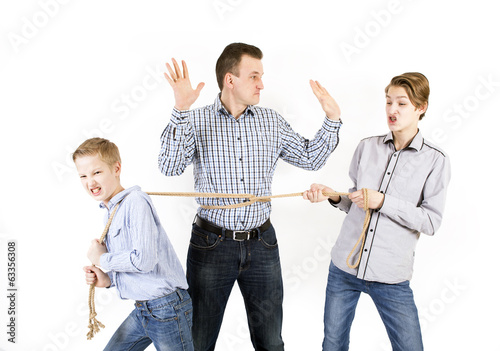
(328, 103)
(184, 94)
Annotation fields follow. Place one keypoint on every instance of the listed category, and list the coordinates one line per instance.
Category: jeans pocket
(165, 313)
(203, 240)
(268, 238)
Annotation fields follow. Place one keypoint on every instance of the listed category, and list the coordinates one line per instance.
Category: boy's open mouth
(95, 191)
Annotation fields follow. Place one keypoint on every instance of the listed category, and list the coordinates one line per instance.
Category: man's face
(248, 84)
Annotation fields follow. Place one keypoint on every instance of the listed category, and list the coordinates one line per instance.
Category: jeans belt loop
(178, 291)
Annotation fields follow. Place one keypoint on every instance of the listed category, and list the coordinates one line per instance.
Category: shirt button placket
(239, 156)
(371, 230)
(239, 166)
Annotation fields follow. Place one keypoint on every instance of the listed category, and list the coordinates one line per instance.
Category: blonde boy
(137, 255)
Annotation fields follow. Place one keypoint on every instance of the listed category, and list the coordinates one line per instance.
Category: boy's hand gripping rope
(95, 325)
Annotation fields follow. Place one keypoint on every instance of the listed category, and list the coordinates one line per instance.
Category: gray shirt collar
(416, 143)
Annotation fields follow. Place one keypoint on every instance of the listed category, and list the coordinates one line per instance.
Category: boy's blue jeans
(214, 264)
(166, 322)
(394, 303)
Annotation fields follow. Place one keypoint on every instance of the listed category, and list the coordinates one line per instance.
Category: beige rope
(361, 239)
(94, 324)
(252, 199)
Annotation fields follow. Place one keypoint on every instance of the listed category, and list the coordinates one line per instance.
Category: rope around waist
(253, 199)
(95, 325)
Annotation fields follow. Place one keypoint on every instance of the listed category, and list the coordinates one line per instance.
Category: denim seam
(182, 304)
(179, 326)
(211, 247)
(132, 347)
(266, 245)
(201, 235)
(150, 312)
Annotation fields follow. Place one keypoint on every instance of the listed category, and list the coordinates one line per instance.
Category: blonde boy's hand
(94, 275)
(95, 251)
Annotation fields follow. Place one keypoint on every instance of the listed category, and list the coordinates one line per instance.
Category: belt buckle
(247, 232)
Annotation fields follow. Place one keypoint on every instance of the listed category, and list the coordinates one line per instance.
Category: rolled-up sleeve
(177, 144)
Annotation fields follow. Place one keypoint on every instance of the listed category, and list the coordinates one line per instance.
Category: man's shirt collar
(219, 108)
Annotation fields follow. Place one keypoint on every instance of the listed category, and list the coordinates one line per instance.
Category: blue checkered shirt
(238, 156)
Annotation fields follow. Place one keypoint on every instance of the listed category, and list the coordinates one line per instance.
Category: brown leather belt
(238, 235)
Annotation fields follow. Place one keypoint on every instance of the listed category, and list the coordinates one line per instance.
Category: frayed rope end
(94, 326)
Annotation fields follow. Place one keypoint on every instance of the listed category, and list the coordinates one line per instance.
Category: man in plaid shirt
(234, 147)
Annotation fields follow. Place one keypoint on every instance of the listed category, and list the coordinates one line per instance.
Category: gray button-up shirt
(414, 181)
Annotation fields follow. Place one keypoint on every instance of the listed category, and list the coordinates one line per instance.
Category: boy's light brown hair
(107, 151)
(416, 86)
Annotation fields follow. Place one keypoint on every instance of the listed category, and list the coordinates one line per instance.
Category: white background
(76, 69)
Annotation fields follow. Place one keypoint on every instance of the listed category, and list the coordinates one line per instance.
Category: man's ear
(229, 80)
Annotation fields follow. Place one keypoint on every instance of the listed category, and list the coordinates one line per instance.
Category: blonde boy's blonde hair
(107, 151)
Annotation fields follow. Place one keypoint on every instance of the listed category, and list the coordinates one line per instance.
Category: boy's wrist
(103, 261)
(334, 200)
(110, 278)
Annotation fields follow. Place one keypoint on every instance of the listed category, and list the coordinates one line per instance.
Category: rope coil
(361, 239)
(94, 325)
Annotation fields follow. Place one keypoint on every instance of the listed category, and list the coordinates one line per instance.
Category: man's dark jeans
(214, 263)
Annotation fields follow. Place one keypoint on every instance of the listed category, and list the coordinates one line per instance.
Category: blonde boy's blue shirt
(141, 261)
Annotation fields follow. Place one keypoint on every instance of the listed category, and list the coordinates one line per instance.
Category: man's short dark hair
(230, 59)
